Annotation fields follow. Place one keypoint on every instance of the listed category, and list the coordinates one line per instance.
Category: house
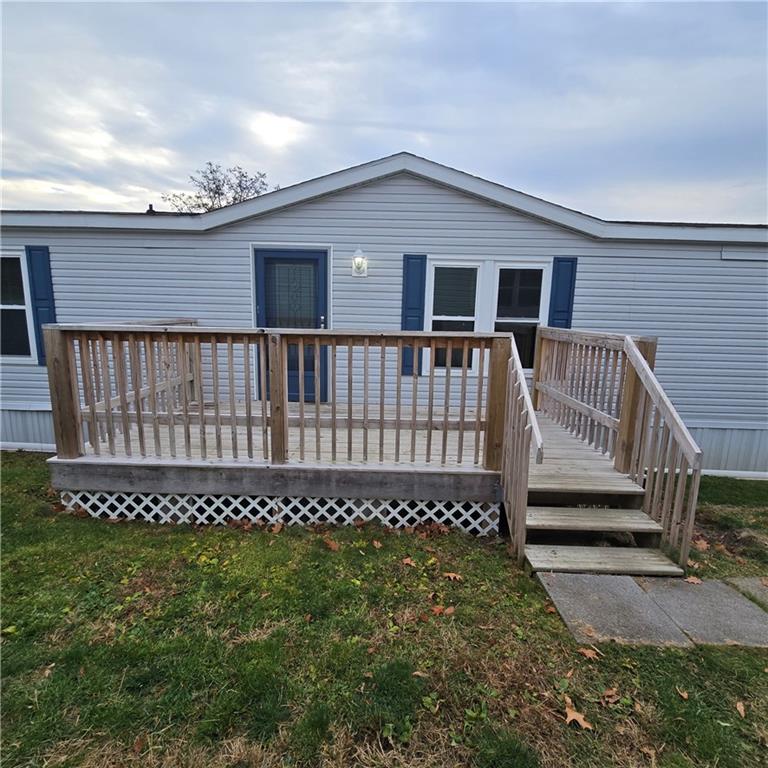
(372, 262)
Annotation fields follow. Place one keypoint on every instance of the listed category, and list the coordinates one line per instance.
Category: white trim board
(402, 162)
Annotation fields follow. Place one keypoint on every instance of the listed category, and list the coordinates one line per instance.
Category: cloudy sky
(641, 111)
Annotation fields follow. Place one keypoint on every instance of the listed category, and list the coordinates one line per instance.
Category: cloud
(276, 131)
(650, 110)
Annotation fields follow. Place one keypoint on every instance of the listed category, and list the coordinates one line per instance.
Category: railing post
(65, 401)
(501, 351)
(537, 366)
(630, 401)
(278, 400)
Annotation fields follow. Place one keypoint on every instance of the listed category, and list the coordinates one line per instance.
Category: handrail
(534, 422)
(663, 456)
(520, 426)
(655, 391)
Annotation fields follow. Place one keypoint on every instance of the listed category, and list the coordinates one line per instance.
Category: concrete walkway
(660, 611)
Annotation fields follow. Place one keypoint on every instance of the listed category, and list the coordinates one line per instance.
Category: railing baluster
(232, 398)
(134, 359)
(149, 360)
(300, 348)
(89, 393)
(317, 398)
(118, 361)
(431, 405)
(366, 350)
(479, 401)
(248, 395)
(333, 399)
(446, 400)
(200, 394)
(382, 398)
(462, 398)
(398, 392)
(263, 396)
(216, 395)
(414, 398)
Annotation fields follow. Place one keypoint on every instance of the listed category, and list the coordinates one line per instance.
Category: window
(16, 337)
(505, 296)
(453, 307)
(518, 308)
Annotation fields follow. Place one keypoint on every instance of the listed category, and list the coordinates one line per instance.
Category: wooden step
(619, 560)
(590, 519)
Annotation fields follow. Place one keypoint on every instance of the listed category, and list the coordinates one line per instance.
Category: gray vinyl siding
(31, 429)
(711, 314)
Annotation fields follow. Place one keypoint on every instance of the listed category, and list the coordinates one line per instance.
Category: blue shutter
(414, 286)
(41, 291)
(561, 295)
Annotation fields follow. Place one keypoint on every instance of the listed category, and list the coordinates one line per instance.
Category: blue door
(291, 292)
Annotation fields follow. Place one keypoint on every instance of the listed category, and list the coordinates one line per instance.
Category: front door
(291, 292)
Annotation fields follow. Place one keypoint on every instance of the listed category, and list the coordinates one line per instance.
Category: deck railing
(520, 428)
(601, 388)
(663, 456)
(274, 396)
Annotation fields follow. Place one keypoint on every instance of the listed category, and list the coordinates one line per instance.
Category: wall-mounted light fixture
(359, 263)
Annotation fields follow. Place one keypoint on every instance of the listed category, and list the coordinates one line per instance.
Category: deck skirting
(479, 518)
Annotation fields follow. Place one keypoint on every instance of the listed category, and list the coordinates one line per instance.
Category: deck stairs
(585, 517)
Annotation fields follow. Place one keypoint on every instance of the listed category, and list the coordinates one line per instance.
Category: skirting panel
(479, 518)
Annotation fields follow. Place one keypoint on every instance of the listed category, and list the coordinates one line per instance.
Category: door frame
(322, 254)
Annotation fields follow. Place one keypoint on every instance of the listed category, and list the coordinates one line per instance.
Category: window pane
(452, 326)
(455, 291)
(12, 285)
(519, 293)
(525, 338)
(15, 340)
(290, 291)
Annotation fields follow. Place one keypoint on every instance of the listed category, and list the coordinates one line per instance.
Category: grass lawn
(156, 646)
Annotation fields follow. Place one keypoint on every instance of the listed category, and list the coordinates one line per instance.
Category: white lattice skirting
(480, 518)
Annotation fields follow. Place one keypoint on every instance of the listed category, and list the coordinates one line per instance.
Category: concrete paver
(599, 608)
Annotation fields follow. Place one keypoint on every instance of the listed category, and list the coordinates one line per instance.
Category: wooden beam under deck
(94, 473)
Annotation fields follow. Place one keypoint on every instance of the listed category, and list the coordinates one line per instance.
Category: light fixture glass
(359, 263)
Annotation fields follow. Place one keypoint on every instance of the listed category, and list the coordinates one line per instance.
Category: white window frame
(487, 284)
(476, 264)
(30, 359)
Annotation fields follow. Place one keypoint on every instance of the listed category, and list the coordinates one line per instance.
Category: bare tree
(215, 187)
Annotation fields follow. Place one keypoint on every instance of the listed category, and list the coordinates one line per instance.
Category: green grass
(131, 644)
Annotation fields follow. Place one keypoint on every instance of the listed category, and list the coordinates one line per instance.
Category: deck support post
(278, 400)
(630, 402)
(65, 403)
(501, 351)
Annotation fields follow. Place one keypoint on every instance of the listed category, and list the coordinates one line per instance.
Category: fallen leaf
(588, 653)
(277, 527)
(48, 671)
(681, 693)
(693, 580)
(572, 716)
(424, 617)
(701, 545)
(409, 561)
(551, 609)
(418, 673)
(437, 609)
(377, 544)
(569, 674)
(453, 576)
(720, 547)
(334, 546)
(308, 618)
(408, 529)
(450, 610)
(610, 696)
(139, 744)
(740, 709)
(764, 581)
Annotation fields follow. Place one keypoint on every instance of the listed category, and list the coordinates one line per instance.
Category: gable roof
(402, 162)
